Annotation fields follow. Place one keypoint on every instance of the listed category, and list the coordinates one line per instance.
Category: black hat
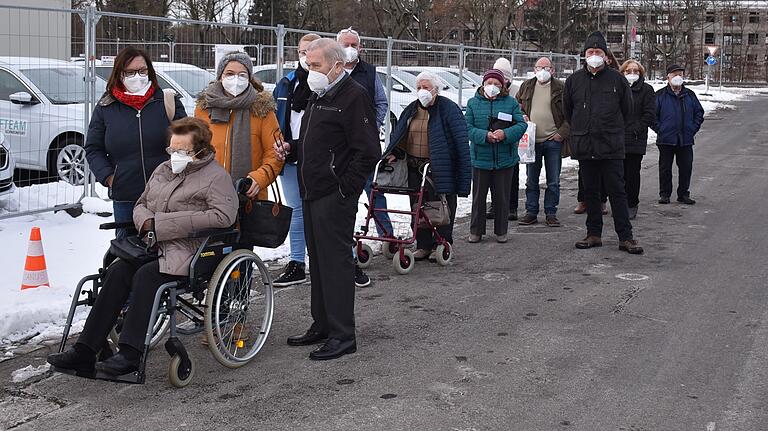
(596, 40)
(674, 68)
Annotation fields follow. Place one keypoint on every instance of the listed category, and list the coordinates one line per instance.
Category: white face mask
(179, 162)
(350, 54)
(543, 76)
(491, 90)
(677, 81)
(425, 97)
(136, 84)
(234, 85)
(632, 78)
(317, 81)
(303, 62)
(595, 61)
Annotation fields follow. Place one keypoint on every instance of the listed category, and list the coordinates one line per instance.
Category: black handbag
(264, 223)
(134, 250)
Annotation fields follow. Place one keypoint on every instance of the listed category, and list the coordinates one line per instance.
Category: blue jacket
(282, 94)
(501, 155)
(678, 118)
(448, 145)
(126, 145)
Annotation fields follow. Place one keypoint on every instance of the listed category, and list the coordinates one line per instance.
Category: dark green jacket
(501, 155)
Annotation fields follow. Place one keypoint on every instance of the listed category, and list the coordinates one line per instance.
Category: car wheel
(67, 162)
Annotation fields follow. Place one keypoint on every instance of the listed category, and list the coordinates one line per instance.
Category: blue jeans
(550, 152)
(123, 213)
(290, 182)
(381, 203)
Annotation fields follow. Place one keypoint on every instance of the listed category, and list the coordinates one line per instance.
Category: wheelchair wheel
(444, 253)
(162, 324)
(239, 308)
(365, 256)
(180, 374)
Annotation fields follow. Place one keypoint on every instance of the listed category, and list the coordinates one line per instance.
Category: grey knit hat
(238, 56)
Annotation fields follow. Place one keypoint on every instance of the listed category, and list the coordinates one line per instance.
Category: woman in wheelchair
(190, 192)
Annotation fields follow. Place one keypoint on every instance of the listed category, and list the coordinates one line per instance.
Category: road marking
(495, 276)
(632, 277)
(711, 426)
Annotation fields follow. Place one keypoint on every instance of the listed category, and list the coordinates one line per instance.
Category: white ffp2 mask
(179, 162)
(234, 84)
(595, 61)
(425, 97)
(677, 81)
(351, 54)
(543, 76)
(491, 90)
(632, 78)
(136, 85)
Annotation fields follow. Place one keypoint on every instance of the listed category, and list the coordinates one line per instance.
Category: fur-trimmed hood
(263, 105)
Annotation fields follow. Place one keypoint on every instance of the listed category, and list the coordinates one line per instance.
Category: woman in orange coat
(242, 117)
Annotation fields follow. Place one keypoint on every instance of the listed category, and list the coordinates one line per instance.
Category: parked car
(185, 79)
(42, 115)
(7, 166)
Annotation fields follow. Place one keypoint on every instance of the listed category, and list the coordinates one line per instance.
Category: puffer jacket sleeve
(95, 147)
(141, 211)
(459, 140)
(265, 174)
(222, 203)
(476, 134)
(515, 132)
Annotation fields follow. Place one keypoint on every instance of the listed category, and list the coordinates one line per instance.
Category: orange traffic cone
(35, 272)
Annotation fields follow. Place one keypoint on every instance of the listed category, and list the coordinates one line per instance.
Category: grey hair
(431, 77)
(332, 51)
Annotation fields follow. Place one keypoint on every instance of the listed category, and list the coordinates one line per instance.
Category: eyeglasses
(349, 30)
(230, 75)
(630, 71)
(539, 68)
(130, 73)
(189, 153)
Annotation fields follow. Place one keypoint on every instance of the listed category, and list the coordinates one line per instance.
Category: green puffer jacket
(501, 155)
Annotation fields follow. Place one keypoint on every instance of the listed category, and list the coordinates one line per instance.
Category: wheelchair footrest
(134, 377)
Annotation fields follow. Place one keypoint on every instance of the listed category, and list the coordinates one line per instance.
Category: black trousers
(329, 224)
(424, 238)
(514, 193)
(481, 182)
(580, 194)
(632, 163)
(608, 174)
(684, 158)
(121, 280)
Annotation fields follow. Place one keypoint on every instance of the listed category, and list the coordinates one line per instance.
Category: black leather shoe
(72, 359)
(333, 348)
(686, 200)
(308, 338)
(118, 365)
(664, 200)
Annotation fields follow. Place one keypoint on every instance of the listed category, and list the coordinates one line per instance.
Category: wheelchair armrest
(212, 232)
(115, 225)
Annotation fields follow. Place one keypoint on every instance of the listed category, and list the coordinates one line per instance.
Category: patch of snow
(28, 372)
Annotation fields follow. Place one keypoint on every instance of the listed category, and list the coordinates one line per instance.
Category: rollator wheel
(365, 257)
(239, 308)
(389, 249)
(444, 253)
(404, 267)
(180, 374)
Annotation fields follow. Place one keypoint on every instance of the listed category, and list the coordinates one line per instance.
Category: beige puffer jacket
(201, 197)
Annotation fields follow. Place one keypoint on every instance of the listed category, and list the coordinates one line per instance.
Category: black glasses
(130, 73)
(230, 74)
(190, 153)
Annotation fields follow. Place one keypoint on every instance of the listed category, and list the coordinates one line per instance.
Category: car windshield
(477, 79)
(193, 81)
(409, 79)
(62, 85)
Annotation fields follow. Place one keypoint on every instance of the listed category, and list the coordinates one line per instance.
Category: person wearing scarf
(242, 118)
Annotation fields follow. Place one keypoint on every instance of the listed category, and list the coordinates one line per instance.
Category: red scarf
(131, 100)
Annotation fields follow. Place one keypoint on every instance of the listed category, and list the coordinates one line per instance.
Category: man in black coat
(338, 149)
(596, 102)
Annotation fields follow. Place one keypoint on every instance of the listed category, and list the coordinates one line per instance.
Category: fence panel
(43, 111)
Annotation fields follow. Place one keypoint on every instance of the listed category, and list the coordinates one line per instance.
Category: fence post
(512, 60)
(89, 76)
(259, 60)
(280, 30)
(462, 64)
(387, 119)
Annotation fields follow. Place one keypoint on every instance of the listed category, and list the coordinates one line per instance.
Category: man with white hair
(503, 65)
(365, 75)
(541, 99)
(338, 149)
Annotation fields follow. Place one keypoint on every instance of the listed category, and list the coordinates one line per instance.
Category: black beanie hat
(596, 40)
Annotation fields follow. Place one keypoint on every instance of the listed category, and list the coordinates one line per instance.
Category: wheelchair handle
(242, 185)
(116, 225)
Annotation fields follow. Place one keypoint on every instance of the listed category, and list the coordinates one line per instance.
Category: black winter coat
(596, 106)
(128, 143)
(642, 117)
(339, 144)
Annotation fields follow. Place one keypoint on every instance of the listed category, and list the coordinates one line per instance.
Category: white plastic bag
(526, 147)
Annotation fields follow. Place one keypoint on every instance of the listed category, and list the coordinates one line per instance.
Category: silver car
(7, 166)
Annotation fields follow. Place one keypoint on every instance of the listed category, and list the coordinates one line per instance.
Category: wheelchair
(228, 295)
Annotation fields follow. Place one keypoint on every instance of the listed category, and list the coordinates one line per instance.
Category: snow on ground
(74, 247)
(26, 373)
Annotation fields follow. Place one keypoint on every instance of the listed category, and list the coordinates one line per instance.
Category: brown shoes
(552, 221)
(589, 242)
(581, 208)
(528, 219)
(630, 246)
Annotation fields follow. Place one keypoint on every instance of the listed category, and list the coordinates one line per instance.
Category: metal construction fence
(54, 65)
